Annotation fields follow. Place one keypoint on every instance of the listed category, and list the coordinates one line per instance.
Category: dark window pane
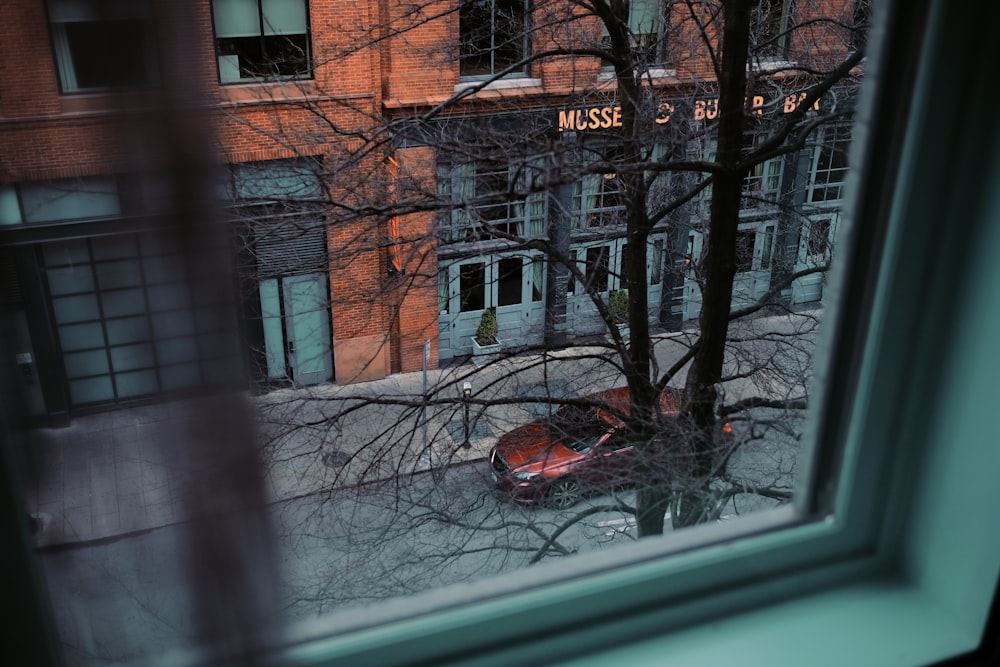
(597, 268)
(110, 54)
(509, 283)
(472, 286)
(492, 35)
(744, 250)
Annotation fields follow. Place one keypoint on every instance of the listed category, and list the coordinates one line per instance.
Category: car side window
(617, 440)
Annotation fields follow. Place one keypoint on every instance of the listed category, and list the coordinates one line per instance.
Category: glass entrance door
(510, 285)
(754, 254)
(296, 321)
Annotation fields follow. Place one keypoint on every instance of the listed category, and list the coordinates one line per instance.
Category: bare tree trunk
(720, 263)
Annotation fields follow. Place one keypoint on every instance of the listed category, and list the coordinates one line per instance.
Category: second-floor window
(770, 25)
(493, 36)
(763, 182)
(646, 31)
(261, 40)
(829, 166)
(489, 200)
(601, 200)
(102, 44)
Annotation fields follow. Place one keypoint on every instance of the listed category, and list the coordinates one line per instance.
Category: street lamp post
(466, 395)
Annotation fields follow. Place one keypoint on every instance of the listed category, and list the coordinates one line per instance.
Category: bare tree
(684, 152)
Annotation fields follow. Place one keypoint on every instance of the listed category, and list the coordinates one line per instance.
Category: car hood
(532, 447)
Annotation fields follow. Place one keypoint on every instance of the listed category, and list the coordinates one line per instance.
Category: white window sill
(499, 84)
(772, 65)
(651, 73)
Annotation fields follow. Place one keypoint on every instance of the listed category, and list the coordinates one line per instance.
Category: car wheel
(564, 493)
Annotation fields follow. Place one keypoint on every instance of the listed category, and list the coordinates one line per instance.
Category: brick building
(375, 173)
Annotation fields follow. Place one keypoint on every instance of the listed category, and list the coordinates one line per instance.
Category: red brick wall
(417, 286)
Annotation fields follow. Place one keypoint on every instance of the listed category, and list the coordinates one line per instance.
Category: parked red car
(581, 449)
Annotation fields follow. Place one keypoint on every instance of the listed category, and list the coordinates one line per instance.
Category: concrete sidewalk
(111, 473)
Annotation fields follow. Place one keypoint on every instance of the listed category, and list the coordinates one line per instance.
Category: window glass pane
(174, 323)
(284, 17)
(443, 296)
(644, 16)
(656, 262)
(598, 268)
(277, 180)
(492, 35)
(71, 279)
(509, 281)
(10, 209)
(176, 350)
(745, 240)
(62, 11)
(80, 364)
(130, 357)
(236, 18)
(472, 286)
(81, 336)
(169, 297)
(66, 252)
(100, 44)
(137, 383)
(123, 302)
(127, 330)
(180, 377)
(124, 273)
(71, 199)
(92, 390)
(537, 279)
(114, 247)
(162, 270)
(108, 54)
(76, 308)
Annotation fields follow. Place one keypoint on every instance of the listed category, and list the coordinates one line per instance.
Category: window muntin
(493, 36)
(489, 201)
(828, 170)
(262, 40)
(599, 198)
(646, 27)
(763, 182)
(103, 44)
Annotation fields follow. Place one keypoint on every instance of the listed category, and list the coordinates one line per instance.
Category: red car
(581, 449)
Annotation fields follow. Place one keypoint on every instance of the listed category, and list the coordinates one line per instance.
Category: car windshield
(577, 427)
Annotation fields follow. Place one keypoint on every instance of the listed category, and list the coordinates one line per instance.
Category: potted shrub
(485, 343)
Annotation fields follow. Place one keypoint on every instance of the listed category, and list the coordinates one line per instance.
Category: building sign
(608, 116)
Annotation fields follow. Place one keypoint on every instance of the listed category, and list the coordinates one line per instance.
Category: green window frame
(900, 566)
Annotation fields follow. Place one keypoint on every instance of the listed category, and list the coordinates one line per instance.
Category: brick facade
(375, 62)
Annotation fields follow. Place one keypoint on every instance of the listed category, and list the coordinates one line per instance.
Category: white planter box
(482, 354)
